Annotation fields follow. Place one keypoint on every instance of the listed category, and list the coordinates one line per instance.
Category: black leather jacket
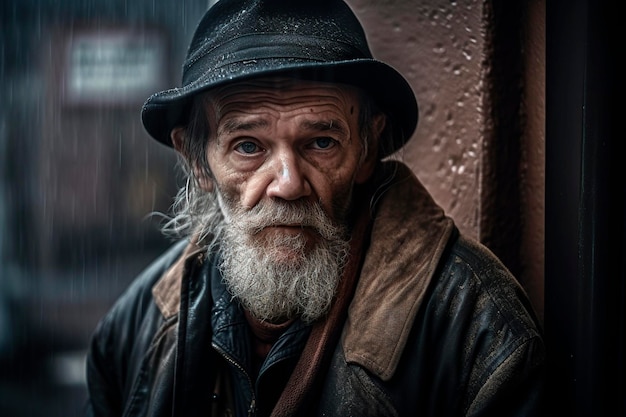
(437, 327)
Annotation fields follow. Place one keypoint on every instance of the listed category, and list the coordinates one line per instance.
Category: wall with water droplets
(479, 145)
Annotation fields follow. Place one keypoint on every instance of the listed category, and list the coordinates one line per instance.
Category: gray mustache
(281, 213)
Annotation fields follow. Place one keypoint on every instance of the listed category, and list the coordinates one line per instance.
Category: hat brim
(168, 109)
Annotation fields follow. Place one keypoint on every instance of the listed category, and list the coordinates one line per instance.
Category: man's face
(282, 141)
(285, 156)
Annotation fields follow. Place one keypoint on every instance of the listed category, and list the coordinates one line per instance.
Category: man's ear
(178, 139)
(367, 166)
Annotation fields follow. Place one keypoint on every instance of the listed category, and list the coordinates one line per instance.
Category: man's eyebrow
(236, 125)
(332, 125)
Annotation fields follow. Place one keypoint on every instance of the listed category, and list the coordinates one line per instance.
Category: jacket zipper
(229, 359)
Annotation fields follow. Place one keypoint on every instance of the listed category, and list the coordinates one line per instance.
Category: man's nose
(289, 181)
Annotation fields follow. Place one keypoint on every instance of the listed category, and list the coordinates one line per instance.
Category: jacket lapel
(409, 235)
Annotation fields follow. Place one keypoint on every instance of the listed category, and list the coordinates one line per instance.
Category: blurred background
(78, 179)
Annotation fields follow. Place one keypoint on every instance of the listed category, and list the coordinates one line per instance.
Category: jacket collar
(409, 234)
(166, 292)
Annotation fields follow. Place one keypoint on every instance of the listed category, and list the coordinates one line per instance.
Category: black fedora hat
(310, 39)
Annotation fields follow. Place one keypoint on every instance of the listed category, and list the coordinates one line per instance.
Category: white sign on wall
(114, 66)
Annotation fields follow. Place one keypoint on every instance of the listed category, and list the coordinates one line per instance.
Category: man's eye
(323, 143)
(247, 147)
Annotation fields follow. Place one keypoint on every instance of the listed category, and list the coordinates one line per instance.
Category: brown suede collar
(409, 234)
(166, 292)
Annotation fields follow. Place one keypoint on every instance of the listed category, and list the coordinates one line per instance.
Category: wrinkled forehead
(281, 91)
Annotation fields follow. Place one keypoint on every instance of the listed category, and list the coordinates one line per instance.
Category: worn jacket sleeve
(490, 329)
(120, 342)
(515, 387)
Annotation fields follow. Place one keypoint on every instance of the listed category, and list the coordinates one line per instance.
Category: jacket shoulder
(472, 271)
(477, 314)
(123, 335)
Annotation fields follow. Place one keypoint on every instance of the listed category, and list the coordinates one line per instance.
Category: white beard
(282, 276)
